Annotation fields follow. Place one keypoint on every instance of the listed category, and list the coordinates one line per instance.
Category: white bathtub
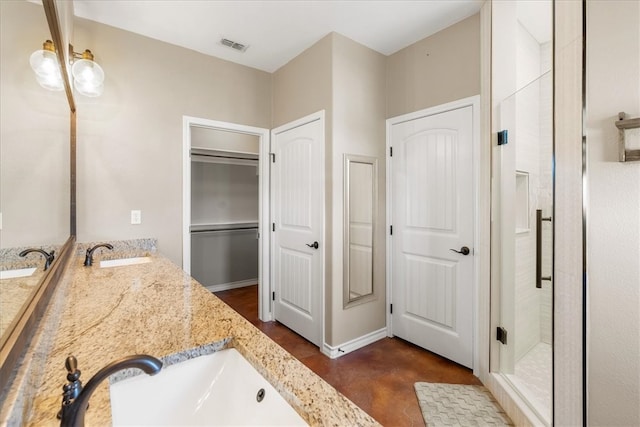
(219, 389)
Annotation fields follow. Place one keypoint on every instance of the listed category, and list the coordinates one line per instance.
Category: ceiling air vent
(234, 45)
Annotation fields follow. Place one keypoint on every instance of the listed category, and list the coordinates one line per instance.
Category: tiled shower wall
(533, 156)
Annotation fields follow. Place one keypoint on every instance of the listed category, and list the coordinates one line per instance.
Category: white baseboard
(355, 344)
(232, 285)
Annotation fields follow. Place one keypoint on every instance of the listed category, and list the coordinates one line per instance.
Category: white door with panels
(432, 241)
(297, 199)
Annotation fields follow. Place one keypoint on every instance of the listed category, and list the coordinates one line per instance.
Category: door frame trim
(474, 102)
(264, 209)
(318, 115)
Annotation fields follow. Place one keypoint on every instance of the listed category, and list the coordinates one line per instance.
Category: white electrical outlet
(136, 217)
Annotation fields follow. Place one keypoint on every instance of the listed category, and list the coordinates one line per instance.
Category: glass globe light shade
(44, 63)
(51, 82)
(87, 71)
(87, 88)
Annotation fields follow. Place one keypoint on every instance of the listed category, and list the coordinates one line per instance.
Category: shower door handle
(539, 276)
(463, 250)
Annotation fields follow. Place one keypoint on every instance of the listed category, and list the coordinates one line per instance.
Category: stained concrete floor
(378, 378)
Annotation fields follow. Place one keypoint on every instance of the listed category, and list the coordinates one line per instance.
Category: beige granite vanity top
(158, 309)
(14, 293)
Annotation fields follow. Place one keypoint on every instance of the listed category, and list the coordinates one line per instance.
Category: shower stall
(526, 196)
(523, 218)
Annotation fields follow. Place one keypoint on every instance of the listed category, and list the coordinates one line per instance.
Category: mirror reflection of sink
(13, 274)
(218, 389)
(124, 261)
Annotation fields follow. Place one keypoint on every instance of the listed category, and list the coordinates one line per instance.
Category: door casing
(264, 267)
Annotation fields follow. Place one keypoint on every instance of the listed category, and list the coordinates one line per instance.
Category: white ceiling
(277, 30)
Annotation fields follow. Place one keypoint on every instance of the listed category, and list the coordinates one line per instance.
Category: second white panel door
(432, 214)
(298, 203)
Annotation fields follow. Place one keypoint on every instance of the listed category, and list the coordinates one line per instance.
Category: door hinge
(391, 308)
(390, 151)
(391, 230)
(503, 137)
(273, 226)
(273, 296)
(501, 335)
(273, 157)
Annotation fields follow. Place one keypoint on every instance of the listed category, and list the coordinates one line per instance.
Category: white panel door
(432, 215)
(298, 201)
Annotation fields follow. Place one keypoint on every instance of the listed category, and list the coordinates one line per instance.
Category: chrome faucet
(75, 398)
(88, 259)
(49, 257)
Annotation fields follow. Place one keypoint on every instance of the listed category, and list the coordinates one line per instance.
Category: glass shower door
(523, 168)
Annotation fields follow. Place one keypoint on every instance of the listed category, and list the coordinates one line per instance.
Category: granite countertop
(158, 309)
(14, 293)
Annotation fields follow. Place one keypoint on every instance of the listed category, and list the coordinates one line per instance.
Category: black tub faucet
(75, 398)
(88, 259)
(48, 257)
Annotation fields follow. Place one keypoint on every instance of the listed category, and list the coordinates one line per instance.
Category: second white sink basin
(13, 274)
(124, 261)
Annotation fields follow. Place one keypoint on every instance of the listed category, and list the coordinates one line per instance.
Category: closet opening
(225, 201)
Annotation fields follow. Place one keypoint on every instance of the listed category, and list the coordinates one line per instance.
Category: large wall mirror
(35, 170)
(360, 205)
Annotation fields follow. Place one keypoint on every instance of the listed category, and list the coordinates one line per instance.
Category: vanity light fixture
(88, 76)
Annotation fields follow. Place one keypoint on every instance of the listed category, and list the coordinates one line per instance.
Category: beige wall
(34, 137)
(301, 87)
(130, 139)
(613, 228)
(358, 128)
(438, 69)
(347, 80)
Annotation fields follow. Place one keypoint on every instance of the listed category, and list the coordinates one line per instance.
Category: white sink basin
(124, 261)
(13, 274)
(219, 389)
